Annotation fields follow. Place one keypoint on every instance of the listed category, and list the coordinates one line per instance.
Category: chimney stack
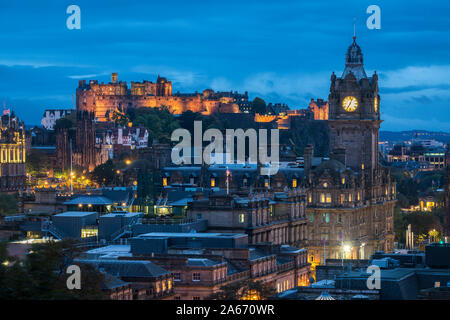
(307, 158)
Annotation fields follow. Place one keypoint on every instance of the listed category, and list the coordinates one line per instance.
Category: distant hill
(408, 135)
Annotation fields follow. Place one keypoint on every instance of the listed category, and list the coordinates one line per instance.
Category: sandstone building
(351, 197)
(102, 99)
(12, 153)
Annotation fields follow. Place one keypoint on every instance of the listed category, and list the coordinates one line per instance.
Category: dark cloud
(198, 42)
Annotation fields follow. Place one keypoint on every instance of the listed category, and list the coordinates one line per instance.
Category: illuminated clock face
(350, 104)
(375, 104)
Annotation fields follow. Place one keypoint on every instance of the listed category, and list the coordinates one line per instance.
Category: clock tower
(354, 114)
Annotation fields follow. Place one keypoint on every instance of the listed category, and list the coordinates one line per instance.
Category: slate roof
(89, 199)
(111, 282)
(129, 268)
(202, 262)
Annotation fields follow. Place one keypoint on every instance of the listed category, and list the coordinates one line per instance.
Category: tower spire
(354, 29)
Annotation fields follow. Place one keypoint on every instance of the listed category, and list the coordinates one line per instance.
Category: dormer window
(213, 182)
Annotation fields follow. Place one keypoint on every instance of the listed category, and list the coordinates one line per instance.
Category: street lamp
(347, 248)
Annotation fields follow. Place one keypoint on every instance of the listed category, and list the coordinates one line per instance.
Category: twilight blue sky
(282, 51)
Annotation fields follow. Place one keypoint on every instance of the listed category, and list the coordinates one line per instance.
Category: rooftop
(128, 268)
(75, 214)
(191, 234)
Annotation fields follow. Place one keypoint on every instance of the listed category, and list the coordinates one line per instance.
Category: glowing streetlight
(347, 248)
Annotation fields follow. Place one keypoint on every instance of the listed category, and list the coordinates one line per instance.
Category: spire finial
(354, 29)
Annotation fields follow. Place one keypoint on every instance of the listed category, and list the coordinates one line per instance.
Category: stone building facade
(199, 273)
(80, 145)
(278, 218)
(351, 197)
(12, 154)
(102, 99)
(319, 108)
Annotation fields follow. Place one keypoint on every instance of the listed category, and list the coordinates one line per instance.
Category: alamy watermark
(374, 280)
(213, 153)
(74, 20)
(74, 280)
(374, 20)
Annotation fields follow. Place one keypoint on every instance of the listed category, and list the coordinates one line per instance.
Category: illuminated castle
(102, 99)
(12, 154)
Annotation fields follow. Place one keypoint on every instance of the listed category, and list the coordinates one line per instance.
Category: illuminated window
(322, 197)
(328, 197)
(164, 181)
(342, 198)
(310, 198)
(87, 232)
(343, 180)
(241, 218)
(213, 182)
(359, 196)
(157, 287)
(163, 285)
(349, 197)
(266, 183)
(362, 166)
(294, 183)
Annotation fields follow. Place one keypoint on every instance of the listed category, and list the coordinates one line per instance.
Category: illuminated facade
(319, 108)
(102, 99)
(351, 197)
(12, 154)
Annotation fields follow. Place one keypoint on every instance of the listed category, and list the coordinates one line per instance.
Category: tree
(186, 120)
(104, 174)
(259, 106)
(42, 274)
(400, 225)
(8, 204)
(38, 162)
(246, 290)
(422, 223)
(159, 122)
(69, 121)
(120, 118)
